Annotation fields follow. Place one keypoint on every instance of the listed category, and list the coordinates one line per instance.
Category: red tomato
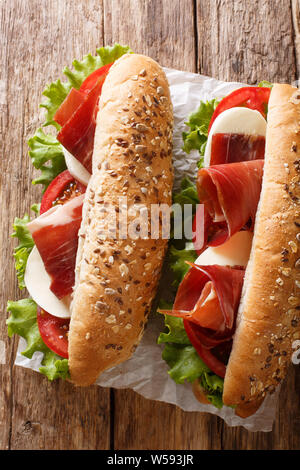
(251, 97)
(54, 332)
(92, 79)
(63, 188)
(69, 106)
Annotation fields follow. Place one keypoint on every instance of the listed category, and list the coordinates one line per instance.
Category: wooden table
(228, 39)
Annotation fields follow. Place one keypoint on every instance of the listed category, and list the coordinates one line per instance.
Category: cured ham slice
(207, 300)
(55, 234)
(232, 148)
(69, 106)
(77, 134)
(230, 194)
(209, 291)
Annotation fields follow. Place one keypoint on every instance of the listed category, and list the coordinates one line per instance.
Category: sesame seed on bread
(116, 278)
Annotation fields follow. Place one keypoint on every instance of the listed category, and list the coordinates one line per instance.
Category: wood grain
(230, 40)
(252, 41)
(40, 39)
(163, 30)
(296, 29)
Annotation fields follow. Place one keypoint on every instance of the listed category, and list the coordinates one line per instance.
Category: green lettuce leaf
(184, 362)
(23, 322)
(57, 92)
(47, 156)
(187, 194)
(213, 385)
(182, 250)
(178, 263)
(176, 333)
(22, 251)
(198, 123)
(266, 84)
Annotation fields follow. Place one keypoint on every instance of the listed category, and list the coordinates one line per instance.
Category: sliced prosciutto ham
(207, 300)
(77, 133)
(69, 106)
(233, 148)
(55, 234)
(230, 194)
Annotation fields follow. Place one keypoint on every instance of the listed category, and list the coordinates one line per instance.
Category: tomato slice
(63, 188)
(256, 98)
(92, 79)
(54, 332)
(74, 99)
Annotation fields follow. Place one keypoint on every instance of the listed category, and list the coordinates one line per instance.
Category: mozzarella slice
(236, 121)
(76, 168)
(234, 252)
(38, 282)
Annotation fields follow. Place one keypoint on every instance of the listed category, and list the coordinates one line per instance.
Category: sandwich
(235, 313)
(91, 287)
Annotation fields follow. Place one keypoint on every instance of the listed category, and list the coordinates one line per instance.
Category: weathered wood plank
(41, 37)
(162, 30)
(249, 41)
(5, 355)
(296, 27)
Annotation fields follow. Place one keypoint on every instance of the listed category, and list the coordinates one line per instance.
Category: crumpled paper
(146, 372)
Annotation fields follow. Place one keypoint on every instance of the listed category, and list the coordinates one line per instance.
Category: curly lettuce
(198, 122)
(47, 156)
(23, 249)
(23, 322)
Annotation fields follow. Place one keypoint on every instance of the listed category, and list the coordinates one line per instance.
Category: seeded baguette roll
(269, 315)
(116, 278)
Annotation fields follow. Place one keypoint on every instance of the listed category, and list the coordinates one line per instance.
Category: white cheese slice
(77, 170)
(236, 121)
(234, 252)
(38, 283)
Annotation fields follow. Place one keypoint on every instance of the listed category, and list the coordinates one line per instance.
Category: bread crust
(269, 315)
(116, 278)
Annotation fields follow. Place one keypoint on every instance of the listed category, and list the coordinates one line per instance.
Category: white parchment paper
(146, 372)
